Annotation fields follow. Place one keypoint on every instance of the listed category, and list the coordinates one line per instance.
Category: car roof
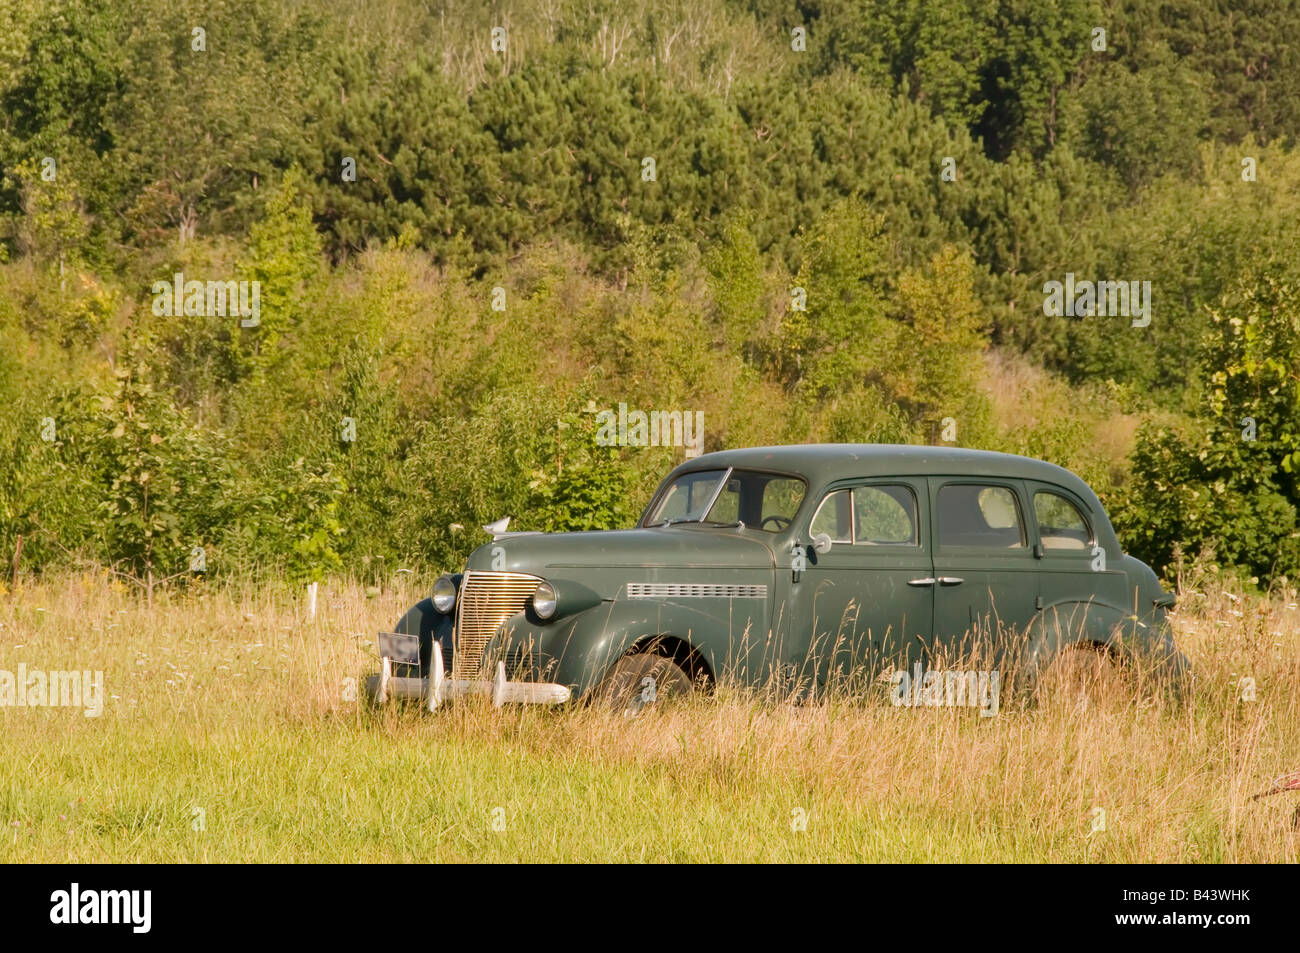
(823, 463)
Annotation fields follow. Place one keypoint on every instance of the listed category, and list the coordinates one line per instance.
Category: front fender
(579, 650)
(431, 626)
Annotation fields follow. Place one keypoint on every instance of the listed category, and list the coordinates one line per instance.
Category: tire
(641, 681)
(370, 692)
(1172, 669)
(1077, 674)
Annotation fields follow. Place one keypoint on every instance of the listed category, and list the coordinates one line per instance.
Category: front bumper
(438, 688)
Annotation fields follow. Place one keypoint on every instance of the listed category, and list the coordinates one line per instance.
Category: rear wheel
(1081, 675)
(641, 681)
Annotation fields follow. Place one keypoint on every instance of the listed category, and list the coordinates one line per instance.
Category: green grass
(233, 704)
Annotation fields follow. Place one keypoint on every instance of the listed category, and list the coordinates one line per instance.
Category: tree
(163, 483)
(841, 332)
(936, 356)
(284, 256)
(1233, 481)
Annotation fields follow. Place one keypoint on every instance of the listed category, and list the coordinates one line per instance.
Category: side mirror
(822, 543)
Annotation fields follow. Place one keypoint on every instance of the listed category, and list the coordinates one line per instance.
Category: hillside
(468, 226)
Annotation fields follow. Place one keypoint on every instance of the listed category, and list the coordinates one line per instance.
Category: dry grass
(1027, 399)
(233, 704)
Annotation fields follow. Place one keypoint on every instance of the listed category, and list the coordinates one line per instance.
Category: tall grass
(232, 732)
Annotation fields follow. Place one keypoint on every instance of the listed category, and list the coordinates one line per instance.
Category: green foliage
(526, 454)
(1233, 481)
(165, 483)
(126, 479)
(476, 170)
(51, 494)
(914, 339)
(936, 352)
(421, 161)
(583, 485)
(1143, 124)
(736, 280)
(841, 274)
(296, 523)
(53, 226)
(285, 257)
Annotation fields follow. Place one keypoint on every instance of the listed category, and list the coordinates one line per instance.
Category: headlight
(544, 602)
(444, 595)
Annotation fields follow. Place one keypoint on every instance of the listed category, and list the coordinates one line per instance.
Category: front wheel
(641, 681)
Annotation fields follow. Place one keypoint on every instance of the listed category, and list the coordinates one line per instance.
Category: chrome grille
(486, 600)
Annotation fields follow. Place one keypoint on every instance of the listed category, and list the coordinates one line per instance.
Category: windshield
(766, 501)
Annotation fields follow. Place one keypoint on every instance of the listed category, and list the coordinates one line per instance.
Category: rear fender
(1093, 624)
(1148, 640)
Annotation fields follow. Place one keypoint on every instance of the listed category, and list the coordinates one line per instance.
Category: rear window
(1060, 524)
(972, 514)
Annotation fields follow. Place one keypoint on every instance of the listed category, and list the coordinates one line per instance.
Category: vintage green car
(794, 565)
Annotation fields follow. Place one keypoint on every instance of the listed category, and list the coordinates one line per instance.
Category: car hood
(667, 547)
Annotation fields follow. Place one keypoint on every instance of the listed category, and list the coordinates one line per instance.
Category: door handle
(927, 581)
(950, 580)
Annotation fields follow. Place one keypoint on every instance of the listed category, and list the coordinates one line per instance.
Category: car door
(1070, 572)
(869, 598)
(986, 585)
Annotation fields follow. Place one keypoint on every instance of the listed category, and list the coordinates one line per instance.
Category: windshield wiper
(736, 524)
(721, 524)
(680, 519)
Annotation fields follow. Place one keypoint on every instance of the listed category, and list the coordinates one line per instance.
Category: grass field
(231, 731)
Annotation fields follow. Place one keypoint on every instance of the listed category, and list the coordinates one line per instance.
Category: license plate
(400, 648)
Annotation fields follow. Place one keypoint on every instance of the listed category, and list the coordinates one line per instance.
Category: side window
(1060, 524)
(833, 517)
(971, 514)
(781, 499)
(884, 514)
